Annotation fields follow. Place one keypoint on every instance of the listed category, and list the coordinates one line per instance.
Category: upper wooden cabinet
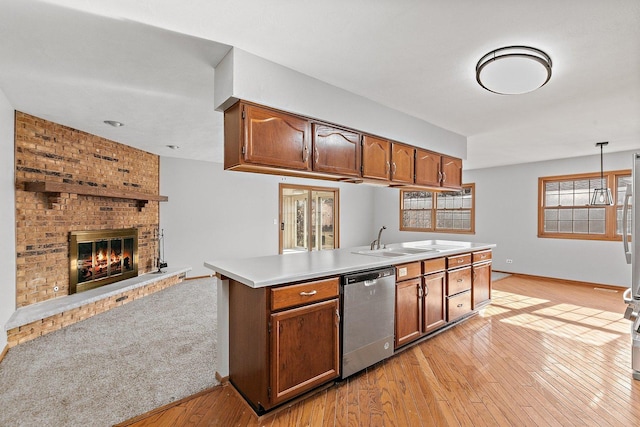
(261, 136)
(402, 163)
(265, 140)
(436, 170)
(376, 158)
(451, 172)
(427, 168)
(336, 150)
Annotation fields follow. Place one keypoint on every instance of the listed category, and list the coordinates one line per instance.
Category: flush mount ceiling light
(513, 70)
(602, 196)
(114, 123)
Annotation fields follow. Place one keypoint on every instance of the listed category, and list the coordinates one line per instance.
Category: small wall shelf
(55, 188)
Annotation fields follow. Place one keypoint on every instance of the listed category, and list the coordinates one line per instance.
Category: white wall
(7, 217)
(214, 214)
(241, 75)
(506, 214)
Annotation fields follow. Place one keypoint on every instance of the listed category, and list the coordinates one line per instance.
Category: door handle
(625, 214)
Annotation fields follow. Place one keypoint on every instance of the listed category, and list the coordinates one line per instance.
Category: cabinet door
(336, 150)
(451, 172)
(305, 349)
(375, 158)
(481, 283)
(273, 138)
(427, 168)
(408, 311)
(458, 280)
(434, 301)
(402, 158)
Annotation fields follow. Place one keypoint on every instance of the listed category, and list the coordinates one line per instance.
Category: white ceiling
(150, 64)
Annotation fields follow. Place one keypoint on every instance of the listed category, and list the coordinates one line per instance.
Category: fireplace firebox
(101, 257)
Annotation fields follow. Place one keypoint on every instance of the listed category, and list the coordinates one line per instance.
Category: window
(445, 212)
(308, 218)
(564, 210)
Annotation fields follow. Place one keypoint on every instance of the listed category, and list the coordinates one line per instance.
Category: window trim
(610, 178)
(311, 189)
(434, 211)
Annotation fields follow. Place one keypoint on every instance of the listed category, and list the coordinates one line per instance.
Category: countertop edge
(367, 262)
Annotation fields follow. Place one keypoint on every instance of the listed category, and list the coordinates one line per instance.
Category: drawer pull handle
(459, 305)
(308, 294)
(460, 260)
(460, 280)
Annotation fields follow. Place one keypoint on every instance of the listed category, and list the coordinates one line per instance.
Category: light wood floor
(542, 354)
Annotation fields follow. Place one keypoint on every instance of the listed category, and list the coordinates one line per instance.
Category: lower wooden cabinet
(283, 341)
(481, 284)
(458, 305)
(304, 349)
(408, 311)
(435, 315)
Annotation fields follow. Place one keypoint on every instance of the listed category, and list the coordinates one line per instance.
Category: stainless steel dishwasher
(368, 315)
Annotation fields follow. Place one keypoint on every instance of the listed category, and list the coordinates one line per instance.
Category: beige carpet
(115, 365)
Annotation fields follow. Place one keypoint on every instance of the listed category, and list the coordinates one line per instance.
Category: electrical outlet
(509, 261)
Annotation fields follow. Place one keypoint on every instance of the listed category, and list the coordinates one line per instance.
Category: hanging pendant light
(602, 196)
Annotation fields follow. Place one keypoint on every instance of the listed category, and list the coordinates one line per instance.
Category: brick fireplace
(70, 182)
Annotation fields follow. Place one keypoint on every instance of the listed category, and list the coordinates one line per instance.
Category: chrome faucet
(376, 243)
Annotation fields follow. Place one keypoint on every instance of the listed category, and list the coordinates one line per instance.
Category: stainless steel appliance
(368, 315)
(632, 252)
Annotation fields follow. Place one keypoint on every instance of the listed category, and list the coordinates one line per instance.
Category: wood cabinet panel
(433, 265)
(458, 305)
(304, 349)
(402, 163)
(336, 150)
(481, 284)
(481, 256)
(434, 315)
(427, 168)
(275, 138)
(408, 271)
(408, 311)
(304, 293)
(376, 158)
(451, 172)
(456, 261)
(249, 342)
(458, 280)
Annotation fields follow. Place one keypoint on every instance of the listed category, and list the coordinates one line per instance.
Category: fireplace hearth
(100, 257)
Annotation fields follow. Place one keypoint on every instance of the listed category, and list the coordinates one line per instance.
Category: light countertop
(272, 270)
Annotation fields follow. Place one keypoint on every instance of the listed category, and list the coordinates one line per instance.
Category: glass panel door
(308, 218)
(293, 225)
(323, 219)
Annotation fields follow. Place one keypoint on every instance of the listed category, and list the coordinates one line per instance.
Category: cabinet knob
(459, 305)
(460, 280)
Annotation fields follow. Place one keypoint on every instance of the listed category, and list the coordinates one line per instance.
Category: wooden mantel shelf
(60, 187)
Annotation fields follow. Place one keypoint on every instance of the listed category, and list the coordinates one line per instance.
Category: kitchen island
(283, 311)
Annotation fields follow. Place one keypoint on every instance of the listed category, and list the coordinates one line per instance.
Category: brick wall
(46, 151)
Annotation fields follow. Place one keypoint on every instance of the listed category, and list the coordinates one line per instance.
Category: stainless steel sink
(394, 252)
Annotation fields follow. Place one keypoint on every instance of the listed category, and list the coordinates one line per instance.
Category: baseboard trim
(164, 408)
(222, 379)
(565, 281)
(4, 352)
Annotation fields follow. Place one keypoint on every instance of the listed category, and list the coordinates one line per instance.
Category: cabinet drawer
(481, 256)
(408, 271)
(456, 261)
(458, 280)
(458, 305)
(304, 293)
(433, 265)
